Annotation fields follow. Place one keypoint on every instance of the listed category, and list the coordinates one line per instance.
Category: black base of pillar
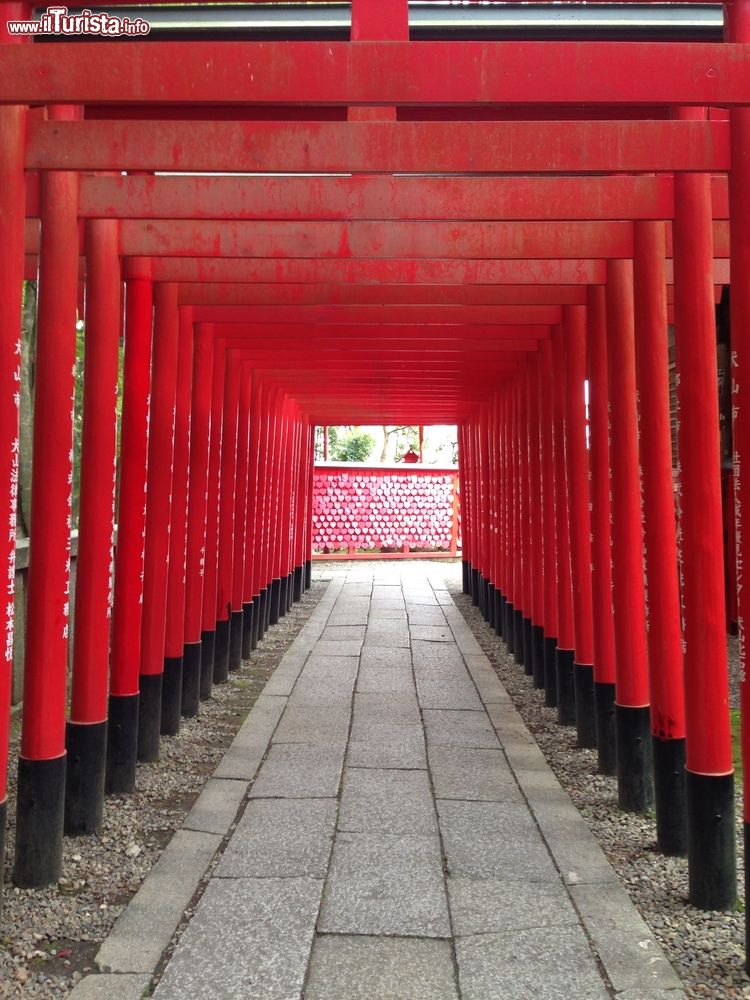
(566, 695)
(518, 636)
(289, 591)
(40, 804)
(583, 686)
(308, 574)
(283, 596)
(635, 771)
(499, 612)
(171, 696)
(248, 614)
(606, 745)
(267, 610)
(528, 667)
(481, 596)
(491, 592)
(122, 744)
(508, 625)
(297, 588)
(221, 652)
(669, 795)
(465, 576)
(274, 602)
(537, 655)
(475, 586)
(255, 622)
(191, 679)
(86, 747)
(550, 671)
(208, 641)
(712, 862)
(236, 625)
(487, 594)
(149, 716)
(262, 613)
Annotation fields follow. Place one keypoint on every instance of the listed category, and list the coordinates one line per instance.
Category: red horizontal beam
(373, 198)
(381, 272)
(381, 147)
(382, 315)
(383, 336)
(390, 73)
(198, 293)
(376, 240)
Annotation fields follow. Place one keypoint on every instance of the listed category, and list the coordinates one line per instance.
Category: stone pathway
(403, 839)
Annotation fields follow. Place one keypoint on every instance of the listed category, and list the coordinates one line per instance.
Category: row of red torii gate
(391, 231)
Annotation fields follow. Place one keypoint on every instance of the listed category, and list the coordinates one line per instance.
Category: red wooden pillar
(463, 476)
(709, 775)
(501, 624)
(86, 730)
(565, 652)
(737, 28)
(223, 608)
(497, 502)
(664, 633)
(484, 514)
(208, 613)
(174, 640)
(260, 587)
(238, 625)
(601, 549)
(536, 515)
(526, 561)
(476, 529)
(515, 471)
(158, 514)
(200, 429)
(632, 716)
(285, 486)
(274, 522)
(251, 595)
(309, 513)
(549, 523)
(574, 353)
(122, 727)
(12, 205)
(41, 768)
(304, 498)
(510, 505)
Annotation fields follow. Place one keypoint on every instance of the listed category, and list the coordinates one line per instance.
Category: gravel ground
(49, 937)
(706, 949)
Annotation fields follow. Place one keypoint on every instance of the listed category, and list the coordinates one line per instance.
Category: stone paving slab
(387, 801)
(244, 755)
(426, 614)
(378, 968)
(146, 925)
(430, 633)
(375, 679)
(299, 771)
(387, 633)
(111, 987)
(460, 729)
(215, 808)
(384, 884)
(281, 838)
(493, 840)
(470, 774)
(493, 905)
(441, 657)
(551, 963)
(375, 656)
(323, 725)
(401, 708)
(249, 938)
(449, 689)
(383, 745)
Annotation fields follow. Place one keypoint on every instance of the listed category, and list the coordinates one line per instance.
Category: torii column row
(620, 683)
(261, 510)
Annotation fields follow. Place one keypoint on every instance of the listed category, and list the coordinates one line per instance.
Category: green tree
(354, 445)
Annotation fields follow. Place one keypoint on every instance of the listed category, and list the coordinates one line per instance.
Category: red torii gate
(499, 296)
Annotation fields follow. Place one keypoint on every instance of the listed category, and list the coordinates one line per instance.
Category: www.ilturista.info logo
(58, 21)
